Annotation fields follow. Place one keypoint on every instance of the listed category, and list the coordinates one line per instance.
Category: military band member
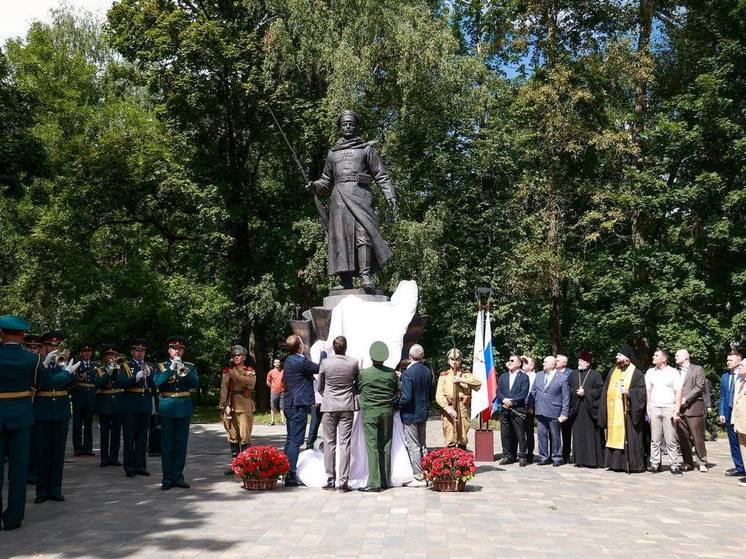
(34, 344)
(52, 418)
(236, 401)
(108, 406)
(136, 404)
(175, 378)
(84, 402)
(20, 372)
(453, 394)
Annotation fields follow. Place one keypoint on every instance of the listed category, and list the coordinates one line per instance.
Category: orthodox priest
(355, 241)
(622, 413)
(587, 436)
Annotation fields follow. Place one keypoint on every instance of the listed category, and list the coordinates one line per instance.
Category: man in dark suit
(691, 425)
(299, 397)
(728, 384)
(551, 397)
(20, 370)
(414, 405)
(567, 425)
(336, 383)
(510, 401)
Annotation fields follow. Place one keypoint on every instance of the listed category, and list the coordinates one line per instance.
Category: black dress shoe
(329, 486)
(166, 486)
(370, 489)
(544, 462)
(130, 474)
(676, 471)
(292, 483)
(40, 500)
(523, 463)
(506, 461)
(7, 527)
(58, 498)
(653, 469)
(103, 464)
(142, 472)
(344, 488)
(182, 484)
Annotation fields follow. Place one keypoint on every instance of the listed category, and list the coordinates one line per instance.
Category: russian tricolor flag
(489, 365)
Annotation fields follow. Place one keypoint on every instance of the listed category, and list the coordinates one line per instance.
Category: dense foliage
(584, 159)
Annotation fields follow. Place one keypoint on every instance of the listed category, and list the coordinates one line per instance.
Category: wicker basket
(261, 484)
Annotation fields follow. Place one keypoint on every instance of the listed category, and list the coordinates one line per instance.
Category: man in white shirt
(663, 384)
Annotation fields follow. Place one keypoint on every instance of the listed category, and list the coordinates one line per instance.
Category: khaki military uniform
(236, 391)
(444, 396)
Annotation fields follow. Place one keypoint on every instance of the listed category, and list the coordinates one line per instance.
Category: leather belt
(51, 393)
(110, 391)
(84, 385)
(176, 394)
(136, 390)
(19, 394)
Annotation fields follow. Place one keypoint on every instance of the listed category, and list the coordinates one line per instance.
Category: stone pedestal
(315, 322)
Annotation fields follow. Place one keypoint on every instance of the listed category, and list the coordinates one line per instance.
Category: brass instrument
(115, 363)
(178, 365)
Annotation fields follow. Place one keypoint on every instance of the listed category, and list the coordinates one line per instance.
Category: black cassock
(634, 424)
(587, 437)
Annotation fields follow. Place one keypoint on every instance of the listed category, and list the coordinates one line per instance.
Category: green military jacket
(174, 399)
(107, 393)
(83, 388)
(19, 371)
(53, 380)
(138, 394)
(377, 386)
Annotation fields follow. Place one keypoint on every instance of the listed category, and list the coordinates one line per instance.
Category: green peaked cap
(379, 352)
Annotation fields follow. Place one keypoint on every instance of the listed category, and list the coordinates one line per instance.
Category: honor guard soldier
(33, 343)
(19, 372)
(236, 401)
(174, 379)
(453, 394)
(84, 402)
(52, 417)
(107, 405)
(378, 385)
(136, 379)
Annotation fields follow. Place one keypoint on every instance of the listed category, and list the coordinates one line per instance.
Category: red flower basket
(448, 469)
(260, 466)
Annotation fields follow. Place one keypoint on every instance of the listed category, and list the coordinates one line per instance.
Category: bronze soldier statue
(355, 241)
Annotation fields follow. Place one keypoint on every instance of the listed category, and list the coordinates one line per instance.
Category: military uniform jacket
(444, 390)
(236, 389)
(83, 388)
(138, 394)
(175, 400)
(19, 371)
(52, 408)
(107, 393)
(378, 386)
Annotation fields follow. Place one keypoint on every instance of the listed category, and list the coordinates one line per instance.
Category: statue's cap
(348, 112)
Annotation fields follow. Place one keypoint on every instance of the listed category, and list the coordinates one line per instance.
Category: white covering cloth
(362, 323)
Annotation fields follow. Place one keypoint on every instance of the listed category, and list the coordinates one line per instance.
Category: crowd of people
(624, 421)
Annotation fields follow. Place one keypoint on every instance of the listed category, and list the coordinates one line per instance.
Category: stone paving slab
(535, 512)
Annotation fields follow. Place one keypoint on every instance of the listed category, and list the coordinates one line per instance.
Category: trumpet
(115, 363)
(178, 365)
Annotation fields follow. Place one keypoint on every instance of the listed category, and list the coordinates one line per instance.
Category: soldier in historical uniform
(135, 378)
(237, 402)
(453, 395)
(32, 343)
(84, 402)
(378, 385)
(355, 242)
(19, 372)
(175, 378)
(108, 406)
(52, 418)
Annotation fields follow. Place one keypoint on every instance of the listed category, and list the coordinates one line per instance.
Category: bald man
(690, 429)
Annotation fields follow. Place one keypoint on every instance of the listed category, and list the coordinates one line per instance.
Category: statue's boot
(363, 262)
(345, 279)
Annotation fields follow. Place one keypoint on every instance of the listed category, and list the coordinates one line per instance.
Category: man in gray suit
(691, 426)
(551, 396)
(336, 383)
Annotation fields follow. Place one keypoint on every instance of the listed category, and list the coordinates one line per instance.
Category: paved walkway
(532, 512)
